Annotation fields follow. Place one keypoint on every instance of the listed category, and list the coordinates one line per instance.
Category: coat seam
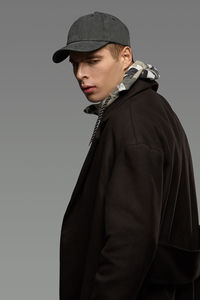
(144, 144)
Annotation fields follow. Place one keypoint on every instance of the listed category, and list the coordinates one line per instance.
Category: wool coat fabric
(131, 228)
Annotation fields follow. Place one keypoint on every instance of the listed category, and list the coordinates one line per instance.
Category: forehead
(79, 56)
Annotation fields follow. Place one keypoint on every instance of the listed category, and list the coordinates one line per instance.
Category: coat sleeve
(133, 205)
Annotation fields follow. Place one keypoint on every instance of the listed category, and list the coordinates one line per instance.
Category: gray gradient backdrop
(44, 133)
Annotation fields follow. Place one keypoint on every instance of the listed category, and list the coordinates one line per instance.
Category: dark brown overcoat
(131, 228)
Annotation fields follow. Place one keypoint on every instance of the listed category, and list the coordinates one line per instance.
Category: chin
(93, 98)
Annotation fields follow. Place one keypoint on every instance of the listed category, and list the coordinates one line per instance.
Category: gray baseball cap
(91, 32)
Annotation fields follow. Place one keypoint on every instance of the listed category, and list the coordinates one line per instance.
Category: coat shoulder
(146, 117)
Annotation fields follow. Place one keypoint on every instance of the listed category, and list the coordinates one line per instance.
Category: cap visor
(81, 46)
(60, 55)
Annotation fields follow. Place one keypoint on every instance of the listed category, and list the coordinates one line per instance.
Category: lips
(88, 89)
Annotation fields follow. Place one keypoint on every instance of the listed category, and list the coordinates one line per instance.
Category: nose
(81, 71)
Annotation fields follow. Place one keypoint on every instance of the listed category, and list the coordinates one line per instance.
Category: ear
(126, 56)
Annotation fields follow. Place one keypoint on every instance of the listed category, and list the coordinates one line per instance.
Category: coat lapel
(84, 171)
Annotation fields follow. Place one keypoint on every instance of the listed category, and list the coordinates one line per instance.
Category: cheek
(114, 76)
(107, 77)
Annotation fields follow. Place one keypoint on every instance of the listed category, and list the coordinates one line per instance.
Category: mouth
(88, 89)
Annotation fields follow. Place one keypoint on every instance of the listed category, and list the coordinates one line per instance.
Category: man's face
(97, 72)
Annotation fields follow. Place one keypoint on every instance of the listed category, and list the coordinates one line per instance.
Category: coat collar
(140, 86)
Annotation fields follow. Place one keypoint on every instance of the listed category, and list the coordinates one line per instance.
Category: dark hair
(115, 49)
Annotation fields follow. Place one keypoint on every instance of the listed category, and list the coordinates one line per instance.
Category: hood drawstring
(100, 115)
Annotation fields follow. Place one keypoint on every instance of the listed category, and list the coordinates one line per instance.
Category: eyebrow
(91, 56)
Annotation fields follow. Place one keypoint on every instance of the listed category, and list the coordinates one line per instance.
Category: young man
(131, 229)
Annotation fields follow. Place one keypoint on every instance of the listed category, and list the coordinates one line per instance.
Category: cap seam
(88, 41)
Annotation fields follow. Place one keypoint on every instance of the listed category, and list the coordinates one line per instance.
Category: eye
(93, 61)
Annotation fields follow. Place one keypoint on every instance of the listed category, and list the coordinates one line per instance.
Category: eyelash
(90, 62)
